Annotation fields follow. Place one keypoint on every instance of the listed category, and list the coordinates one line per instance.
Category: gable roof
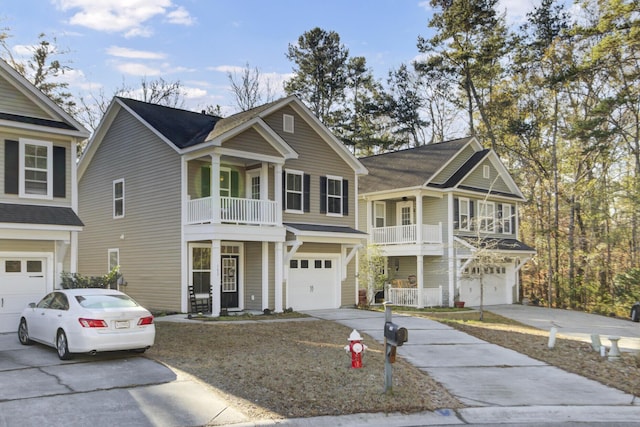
(58, 120)
(408, 168)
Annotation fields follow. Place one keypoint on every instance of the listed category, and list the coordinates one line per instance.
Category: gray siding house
(445, 217)
(39, 224)
(258, 208)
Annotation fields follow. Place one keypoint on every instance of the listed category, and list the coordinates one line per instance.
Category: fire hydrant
(356, 348)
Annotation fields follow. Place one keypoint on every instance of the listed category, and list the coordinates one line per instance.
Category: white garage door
(313, 283)
(22, 280)
(495, 292)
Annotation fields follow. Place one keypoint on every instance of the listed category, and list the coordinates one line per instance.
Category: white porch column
(370, 211)
(215, 189)
(451, 254)
(73, 261)
(419, 219)
(279, 276)
(420, 279)
(216, 285)
(277, 191)
(264, 181)
(265, 275)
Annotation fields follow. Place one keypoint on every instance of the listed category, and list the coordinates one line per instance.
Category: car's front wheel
(23, 333)
(62, 346)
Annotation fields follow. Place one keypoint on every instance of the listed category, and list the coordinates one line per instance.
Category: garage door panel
(312, 283)
(22, 281)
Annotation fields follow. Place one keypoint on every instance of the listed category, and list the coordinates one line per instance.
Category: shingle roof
(407, 168)
(497, 244)
(32, 214)
(36, 121)
(183, 128)
(463, 170)
(324, 228)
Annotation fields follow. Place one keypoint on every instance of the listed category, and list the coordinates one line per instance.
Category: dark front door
(229, 281)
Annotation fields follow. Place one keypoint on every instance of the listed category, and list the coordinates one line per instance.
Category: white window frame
(225, 191)
(22, 190)
(287, 190)
(399, 207)
(506, 218)
(334, 196)
(288, 123)
(251, 175)
(487, 216)
(376, 217)
(115, 199)
(111, 251)
(462, 225)
(486, 171)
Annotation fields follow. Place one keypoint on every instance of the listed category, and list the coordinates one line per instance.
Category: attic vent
(287, 123)
(486, 172)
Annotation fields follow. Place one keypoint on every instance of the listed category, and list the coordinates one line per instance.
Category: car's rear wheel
(62, 346)
(23, 333)
(138, 350)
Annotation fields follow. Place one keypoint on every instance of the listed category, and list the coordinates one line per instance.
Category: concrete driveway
(574, 324)
(119, 388)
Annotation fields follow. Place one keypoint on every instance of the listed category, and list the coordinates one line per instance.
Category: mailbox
(394, 334)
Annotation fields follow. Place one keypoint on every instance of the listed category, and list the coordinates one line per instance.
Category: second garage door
(313, 283)
(22, 280)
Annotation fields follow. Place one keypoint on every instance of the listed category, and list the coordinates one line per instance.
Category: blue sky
(197, 42)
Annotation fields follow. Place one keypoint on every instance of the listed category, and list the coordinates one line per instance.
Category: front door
(229, 281)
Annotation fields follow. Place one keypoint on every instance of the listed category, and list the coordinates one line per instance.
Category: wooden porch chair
(199, 305)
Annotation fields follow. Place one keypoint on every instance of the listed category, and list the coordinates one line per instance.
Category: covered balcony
(232, 210)
(407, 234)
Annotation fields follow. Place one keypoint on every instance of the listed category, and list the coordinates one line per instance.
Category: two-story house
(445, 216)
(38, 200)
(259, 207)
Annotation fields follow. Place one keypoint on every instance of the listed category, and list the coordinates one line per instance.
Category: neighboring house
(260, 207)
(444, 215)
(38, 203)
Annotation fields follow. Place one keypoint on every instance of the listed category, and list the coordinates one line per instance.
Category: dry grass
(293, 369)
(300, 369)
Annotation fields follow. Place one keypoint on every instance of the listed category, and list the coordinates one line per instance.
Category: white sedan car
(87, 321)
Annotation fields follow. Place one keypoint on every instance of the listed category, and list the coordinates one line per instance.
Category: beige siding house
(255, 211)
(445, 217)
(39, 224)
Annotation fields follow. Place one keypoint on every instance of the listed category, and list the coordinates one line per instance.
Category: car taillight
(92, 323)
(145, 321)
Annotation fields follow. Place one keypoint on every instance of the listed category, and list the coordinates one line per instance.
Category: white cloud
(122, 16)
(193, 93)
(137, 69)
(124, 52)
(180, 16)
(226, 68)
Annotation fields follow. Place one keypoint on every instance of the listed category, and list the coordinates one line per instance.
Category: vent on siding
(287, 123)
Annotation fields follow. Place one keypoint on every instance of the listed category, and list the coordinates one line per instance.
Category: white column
(265, 275)
(279, 276)
(216, 285)
(420, 279)
(264, 181)
(277, 191)
(451, 255)
(370, 212)
(73, 261)
(215, 189)
(419, 219)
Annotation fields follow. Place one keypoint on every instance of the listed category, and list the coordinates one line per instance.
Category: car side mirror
(32, 305)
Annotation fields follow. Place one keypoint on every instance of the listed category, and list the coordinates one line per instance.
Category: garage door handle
(2, 305)
(35, 276)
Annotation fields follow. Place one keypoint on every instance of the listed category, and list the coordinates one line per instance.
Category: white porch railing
(406, 234)
(233, 210)
(408, 297)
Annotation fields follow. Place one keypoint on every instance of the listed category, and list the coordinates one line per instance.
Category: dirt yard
(300, 368)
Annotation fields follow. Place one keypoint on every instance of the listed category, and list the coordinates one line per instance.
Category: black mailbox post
(395, 335)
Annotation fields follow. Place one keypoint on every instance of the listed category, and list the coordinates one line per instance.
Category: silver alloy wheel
(62, 346)
(23, 333)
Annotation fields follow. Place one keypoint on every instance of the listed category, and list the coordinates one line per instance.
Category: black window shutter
(11, 167)
(306, 188)
(513, 220)
(59, 172)
(500, 213)
(456, 213)
(472, 215)
(205, 181)
(284, 190)
(323, 194)
(345, 197)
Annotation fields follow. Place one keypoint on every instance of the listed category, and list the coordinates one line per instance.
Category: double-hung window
(334, 195)
(118, 198)
(379, 214)
(36, 169)
(464, 215)
(505, 218)
(294, 191)
(487, 216)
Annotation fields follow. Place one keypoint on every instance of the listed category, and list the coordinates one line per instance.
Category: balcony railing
(233, 210)
(406, 234)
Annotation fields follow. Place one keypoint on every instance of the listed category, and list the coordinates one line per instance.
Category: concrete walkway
(498, 385)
